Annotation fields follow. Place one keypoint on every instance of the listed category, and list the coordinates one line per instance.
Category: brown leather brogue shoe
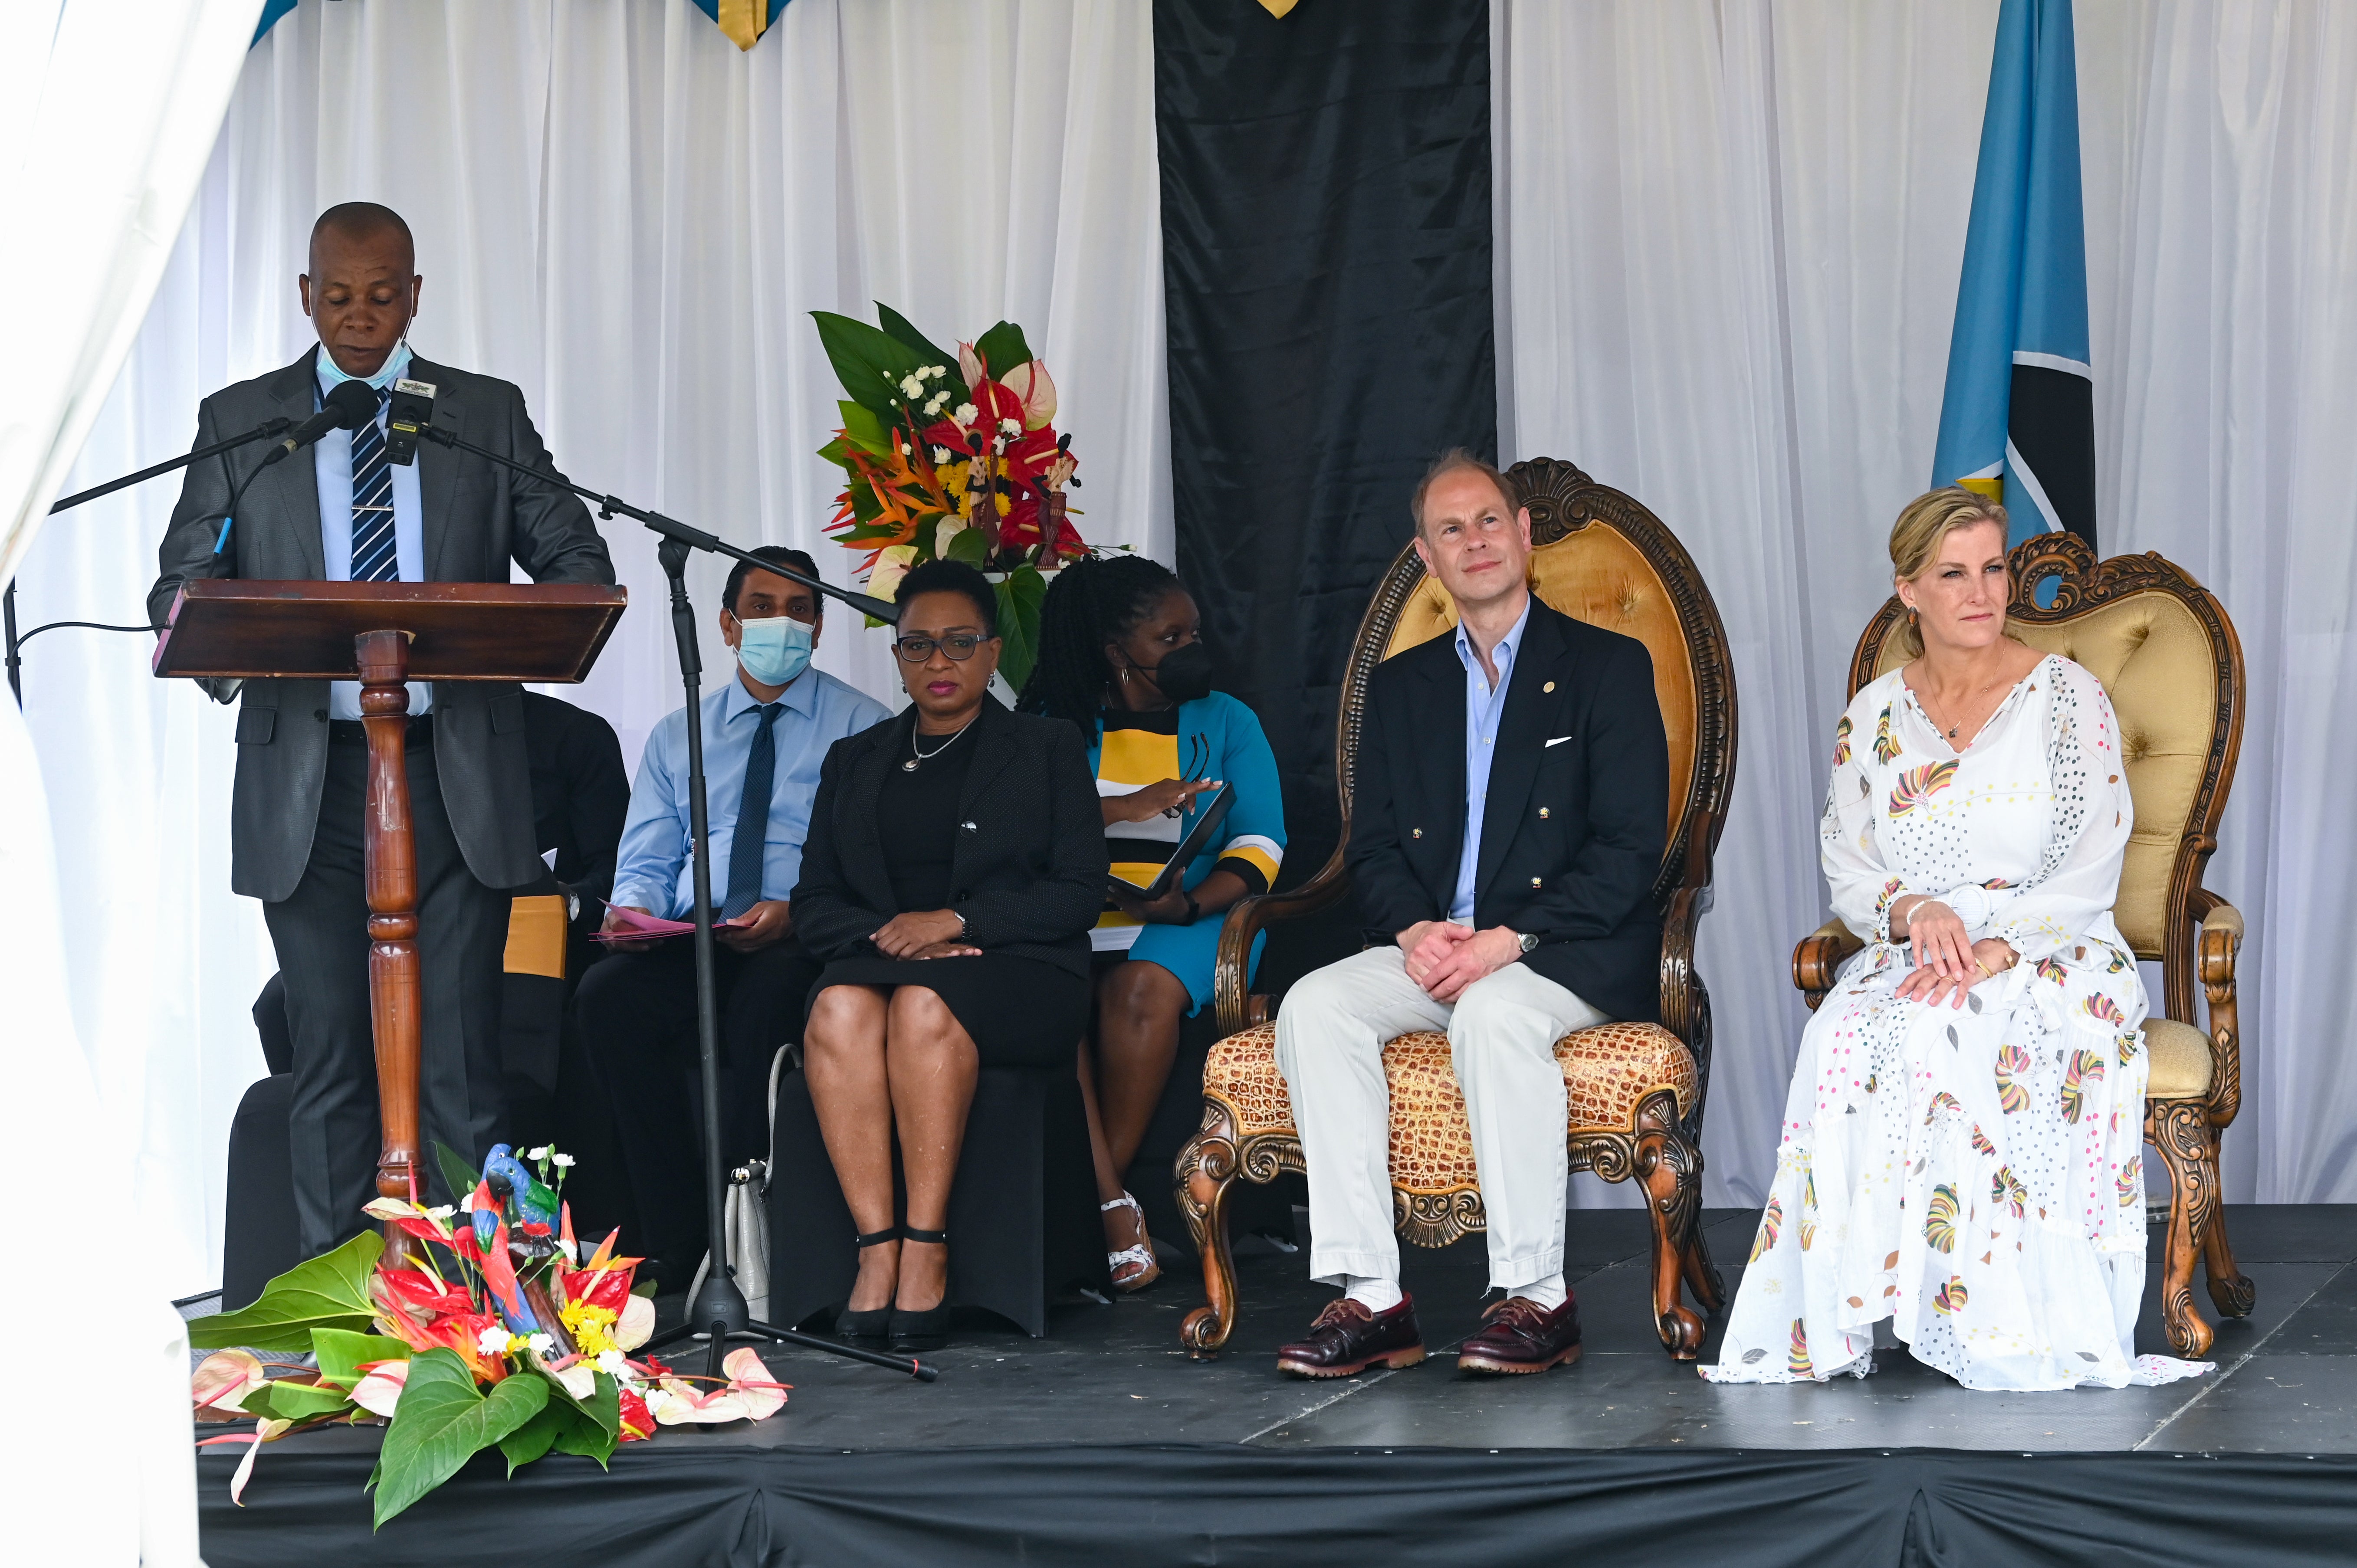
(1518, 1334)
(1346, 1339)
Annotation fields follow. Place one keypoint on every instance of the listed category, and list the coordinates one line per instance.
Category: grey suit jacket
(478, 516)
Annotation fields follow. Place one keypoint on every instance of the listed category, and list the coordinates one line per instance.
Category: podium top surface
(458, 631)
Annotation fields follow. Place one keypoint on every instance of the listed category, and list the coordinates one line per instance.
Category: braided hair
(1095, 600)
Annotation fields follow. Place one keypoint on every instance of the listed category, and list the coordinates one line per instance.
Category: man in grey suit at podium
(344, 512)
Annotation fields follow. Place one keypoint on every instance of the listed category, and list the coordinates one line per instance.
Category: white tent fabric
(628, 217)
(105, 112)
(1730, 233)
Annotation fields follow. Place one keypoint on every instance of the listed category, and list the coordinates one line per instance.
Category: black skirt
(1020, 1012)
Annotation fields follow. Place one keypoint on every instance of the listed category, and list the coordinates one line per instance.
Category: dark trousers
(637, 1016)
(321, 935)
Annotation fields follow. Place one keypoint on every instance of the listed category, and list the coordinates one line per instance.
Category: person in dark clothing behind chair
(765, 734)
(950, 884)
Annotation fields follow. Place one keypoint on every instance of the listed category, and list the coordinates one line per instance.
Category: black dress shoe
(1519, 1336)
(875, 1323)
(1348, 1339)
(929, 1329)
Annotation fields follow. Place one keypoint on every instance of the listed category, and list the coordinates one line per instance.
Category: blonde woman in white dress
(1962, 1143)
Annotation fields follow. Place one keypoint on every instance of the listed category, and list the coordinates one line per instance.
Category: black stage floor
(1109, 1393)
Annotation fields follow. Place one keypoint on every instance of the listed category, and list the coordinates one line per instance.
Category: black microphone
(349, 406)
(412, 411)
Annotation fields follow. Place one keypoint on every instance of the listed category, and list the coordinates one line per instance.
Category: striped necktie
(376, 558)
(750, 847)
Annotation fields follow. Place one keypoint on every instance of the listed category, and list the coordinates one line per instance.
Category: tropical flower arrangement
(483, 1327)
(952, 456)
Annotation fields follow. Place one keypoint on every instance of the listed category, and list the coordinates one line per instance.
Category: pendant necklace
(922, 754)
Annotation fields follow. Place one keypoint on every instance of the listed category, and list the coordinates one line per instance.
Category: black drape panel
(1326, 272)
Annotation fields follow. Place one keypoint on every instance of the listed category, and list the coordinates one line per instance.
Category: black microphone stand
(16, 661)
(718, 1313)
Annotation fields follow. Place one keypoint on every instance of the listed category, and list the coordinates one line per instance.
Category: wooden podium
(385, 635)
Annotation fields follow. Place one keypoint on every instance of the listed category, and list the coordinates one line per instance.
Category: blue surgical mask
(395, 366)
(773, 649)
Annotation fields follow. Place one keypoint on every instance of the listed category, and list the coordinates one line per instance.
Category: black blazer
(1578, 805)
(1029, 871)
(477, 518)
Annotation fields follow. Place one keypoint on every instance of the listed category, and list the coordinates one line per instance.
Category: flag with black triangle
(2018, 422)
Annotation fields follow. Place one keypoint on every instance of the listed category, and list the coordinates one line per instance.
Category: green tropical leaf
(330, 1291)
(868, 361)
(968, 545)
(442, 1421)
(837, 452)
(460, 1177)
(899, 328)
(1019, 593)
(340, 1351)
(538, 1435)
(1002, 348)
(865, 429)
(285, 1400)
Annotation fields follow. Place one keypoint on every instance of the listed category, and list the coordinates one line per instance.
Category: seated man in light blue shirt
(765, 734)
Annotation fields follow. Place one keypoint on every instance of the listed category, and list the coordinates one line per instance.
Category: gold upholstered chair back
(2166, 655)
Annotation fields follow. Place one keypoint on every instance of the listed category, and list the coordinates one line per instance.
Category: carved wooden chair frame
(1660, 1147)
(2202, 932)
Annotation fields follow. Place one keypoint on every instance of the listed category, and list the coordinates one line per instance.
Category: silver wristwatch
(1527, 941)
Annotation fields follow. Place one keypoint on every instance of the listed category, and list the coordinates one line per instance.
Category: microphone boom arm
(671, 527)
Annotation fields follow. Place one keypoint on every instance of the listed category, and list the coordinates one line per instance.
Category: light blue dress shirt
(654, 871)
(1485, 706)
(331, 458)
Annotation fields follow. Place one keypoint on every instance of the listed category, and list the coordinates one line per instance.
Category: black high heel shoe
(876, 1323)
(929, 1329)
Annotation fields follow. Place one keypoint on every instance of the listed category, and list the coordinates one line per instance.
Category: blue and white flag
(2019, 419)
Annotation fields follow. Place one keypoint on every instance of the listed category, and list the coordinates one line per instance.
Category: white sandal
(1149, 1266)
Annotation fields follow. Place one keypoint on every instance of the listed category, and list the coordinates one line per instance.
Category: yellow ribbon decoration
(744, 21)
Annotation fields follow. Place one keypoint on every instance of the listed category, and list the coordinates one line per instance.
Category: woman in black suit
(956, 861)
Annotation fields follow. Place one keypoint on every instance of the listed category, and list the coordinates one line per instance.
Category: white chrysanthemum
(494, 1341)
(911, 387)
(613, 1363)
(541, 1343)
(561, 1162)
(1010, 426)
(933, 403)
(964, 413)
(538, 1153)
(941, 454)
(442, 1213)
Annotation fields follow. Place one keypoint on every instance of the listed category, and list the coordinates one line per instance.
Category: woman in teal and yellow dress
(1120, 656)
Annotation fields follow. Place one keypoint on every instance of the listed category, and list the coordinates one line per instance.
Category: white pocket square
(1559, 740)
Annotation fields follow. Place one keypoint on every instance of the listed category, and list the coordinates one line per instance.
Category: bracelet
(1985, 969)
(1194, 910)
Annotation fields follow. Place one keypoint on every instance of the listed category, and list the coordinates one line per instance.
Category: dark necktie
(376, 557)
(746, 849)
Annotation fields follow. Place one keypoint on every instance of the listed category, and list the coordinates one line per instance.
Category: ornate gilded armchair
(1636, 1090)
(2168, 655)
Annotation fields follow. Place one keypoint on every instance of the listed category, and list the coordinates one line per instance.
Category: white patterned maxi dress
(1973, 1174)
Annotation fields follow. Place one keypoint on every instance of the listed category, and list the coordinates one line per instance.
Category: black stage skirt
(1021, 1011)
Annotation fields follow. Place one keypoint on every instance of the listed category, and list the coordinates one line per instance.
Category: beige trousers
(1502, 1035)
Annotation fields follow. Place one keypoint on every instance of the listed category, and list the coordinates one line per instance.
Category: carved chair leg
(1206, 1171)
(2229, 1290)
(2180, 1131)
(1671, 1169)
(1701, 1274)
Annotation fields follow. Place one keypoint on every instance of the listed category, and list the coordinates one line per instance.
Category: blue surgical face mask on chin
(395, 366)
(773, 649)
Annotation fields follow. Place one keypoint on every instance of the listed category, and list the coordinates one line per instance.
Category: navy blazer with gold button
(1577, 810)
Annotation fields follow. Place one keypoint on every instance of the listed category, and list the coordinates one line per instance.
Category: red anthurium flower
(637, 1424)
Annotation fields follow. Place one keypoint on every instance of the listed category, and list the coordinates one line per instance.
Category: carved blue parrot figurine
(525, 1200)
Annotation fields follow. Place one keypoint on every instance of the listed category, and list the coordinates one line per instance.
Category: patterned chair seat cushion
(1607, 1072)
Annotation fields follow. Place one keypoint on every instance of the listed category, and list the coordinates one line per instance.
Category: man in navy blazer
(1511, 797)
(343, 511)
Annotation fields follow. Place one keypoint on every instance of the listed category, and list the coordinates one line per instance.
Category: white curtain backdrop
(105, 112)
(1729, 238)
(622, 213)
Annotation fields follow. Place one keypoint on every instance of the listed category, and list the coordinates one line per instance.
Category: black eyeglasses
(958, 645)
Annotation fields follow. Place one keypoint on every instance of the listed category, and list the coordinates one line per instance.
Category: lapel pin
(1548, 687)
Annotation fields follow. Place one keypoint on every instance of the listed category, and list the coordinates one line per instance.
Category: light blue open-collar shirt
(332, 462)
(1485, 706)
(654, 871)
